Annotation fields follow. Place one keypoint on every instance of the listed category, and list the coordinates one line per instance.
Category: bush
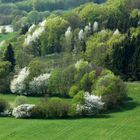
(58, 108)
(92, 106)
(54, 108)
(3, 105)
(38, 111)
(22, 111)
(111, 89)
(73, 91)
(79, 97)
(20, 100)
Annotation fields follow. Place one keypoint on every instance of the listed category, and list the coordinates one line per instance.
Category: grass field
(123, 125)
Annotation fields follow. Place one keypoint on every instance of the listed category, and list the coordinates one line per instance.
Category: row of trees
(12, 11)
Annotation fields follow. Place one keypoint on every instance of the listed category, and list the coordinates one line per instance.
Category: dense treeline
(12, 11)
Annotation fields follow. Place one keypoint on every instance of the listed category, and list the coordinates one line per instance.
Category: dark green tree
(9, 56)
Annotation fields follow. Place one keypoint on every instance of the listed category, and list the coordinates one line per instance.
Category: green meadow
(121, 125)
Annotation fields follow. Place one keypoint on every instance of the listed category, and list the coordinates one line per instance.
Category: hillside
(69, 69)
(16, 12)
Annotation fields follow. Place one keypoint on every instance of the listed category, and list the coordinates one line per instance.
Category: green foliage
(79, 97)
(115, 52)
(36, 68)
(54, 108)
(56, 26)
(98, 51)
(54, 82)
(3, 105)
(73, 91)
(134, 17)
(5, 68)
(20, 100)
(85, 82)
(61, 81)
(112, 89)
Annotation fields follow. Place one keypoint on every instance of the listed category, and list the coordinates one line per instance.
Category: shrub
(91, 106)
(79, 97)
(54, 108)
(73, 91)
(20, 100)
(38, 111)
(3, 105)
(22, 111)
(112, 89)
(58, 108)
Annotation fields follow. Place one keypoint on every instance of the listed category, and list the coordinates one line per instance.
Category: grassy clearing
(7, 36)
(31, 100)
(123, 125)
(11, 98)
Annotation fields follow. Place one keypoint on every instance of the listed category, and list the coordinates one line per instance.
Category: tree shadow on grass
(127, 105)
(99, 116)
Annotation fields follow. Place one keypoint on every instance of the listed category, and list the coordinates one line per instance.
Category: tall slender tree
(9, 56)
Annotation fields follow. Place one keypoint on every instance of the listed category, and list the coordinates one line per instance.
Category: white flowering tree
(43, 23)
(68, 33)
(34, 36)
(92, 105)
(31, 28)
(87, 29)
(68, 39)
(95, 26)
(18, 84)
(81, 35)
(116, 32)
(39, 85)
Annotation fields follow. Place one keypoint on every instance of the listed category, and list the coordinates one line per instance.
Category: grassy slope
(123, 125)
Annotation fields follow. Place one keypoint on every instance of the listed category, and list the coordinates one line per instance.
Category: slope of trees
(90, 37)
